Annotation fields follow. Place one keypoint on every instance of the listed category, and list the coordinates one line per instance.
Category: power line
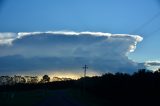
(147, 23)
(154, 32)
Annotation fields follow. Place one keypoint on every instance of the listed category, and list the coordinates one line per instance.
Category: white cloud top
(64, 50)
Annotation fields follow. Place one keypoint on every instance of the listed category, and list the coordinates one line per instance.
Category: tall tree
(45, 78)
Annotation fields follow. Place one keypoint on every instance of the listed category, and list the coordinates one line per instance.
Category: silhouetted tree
(45, 79)
(158, 70)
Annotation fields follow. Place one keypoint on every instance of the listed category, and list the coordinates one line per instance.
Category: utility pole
(85, 69)
(84, 80)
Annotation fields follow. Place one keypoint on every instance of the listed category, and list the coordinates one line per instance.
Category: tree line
(9, 80)
(140, 88)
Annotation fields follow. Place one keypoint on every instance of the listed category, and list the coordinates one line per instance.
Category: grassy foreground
(22, 98)
(35, 97)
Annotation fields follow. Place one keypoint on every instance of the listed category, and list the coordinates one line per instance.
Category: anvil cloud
(63, 50)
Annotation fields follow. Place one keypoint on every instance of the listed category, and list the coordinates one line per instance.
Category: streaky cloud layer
(64, 50)
(152, 63)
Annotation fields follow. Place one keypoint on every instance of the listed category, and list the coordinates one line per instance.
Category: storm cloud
(67, 51)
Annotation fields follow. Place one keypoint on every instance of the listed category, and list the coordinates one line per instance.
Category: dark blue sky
(110, 16)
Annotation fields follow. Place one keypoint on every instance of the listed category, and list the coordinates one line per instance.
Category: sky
(113, 23)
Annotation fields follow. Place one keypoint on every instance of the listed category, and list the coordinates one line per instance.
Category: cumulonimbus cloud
(62, 50)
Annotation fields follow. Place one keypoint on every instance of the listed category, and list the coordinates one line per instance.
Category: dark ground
(60, 98)
(120, 89)
(63, 97)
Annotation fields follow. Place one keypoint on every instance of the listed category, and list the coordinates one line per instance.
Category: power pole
(85, 69)
(84, 80)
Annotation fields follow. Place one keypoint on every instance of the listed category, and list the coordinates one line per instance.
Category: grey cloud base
(35, 51)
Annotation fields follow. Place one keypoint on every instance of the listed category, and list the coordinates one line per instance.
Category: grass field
(22, 98)
(36, 97)
(86, 98)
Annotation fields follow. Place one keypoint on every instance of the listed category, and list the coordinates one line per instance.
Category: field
(68, 97)
(22, 98)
